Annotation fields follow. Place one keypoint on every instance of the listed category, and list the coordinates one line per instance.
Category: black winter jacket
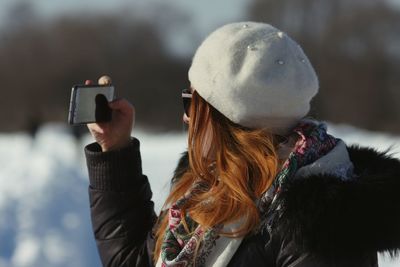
(324, 221)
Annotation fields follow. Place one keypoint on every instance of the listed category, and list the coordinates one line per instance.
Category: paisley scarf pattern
(185, 247)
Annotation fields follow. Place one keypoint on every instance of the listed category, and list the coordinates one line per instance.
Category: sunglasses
(187, 99)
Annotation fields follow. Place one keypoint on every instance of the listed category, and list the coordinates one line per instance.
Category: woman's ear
(185, 119)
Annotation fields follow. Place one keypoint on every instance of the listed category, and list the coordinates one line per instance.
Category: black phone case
(71, 112)
(103, 113)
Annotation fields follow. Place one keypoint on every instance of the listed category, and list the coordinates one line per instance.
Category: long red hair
(245, 166)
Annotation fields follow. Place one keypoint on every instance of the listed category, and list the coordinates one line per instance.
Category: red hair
(245, 166)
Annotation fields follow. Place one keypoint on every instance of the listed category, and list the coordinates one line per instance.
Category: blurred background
(46, 46)
(146, 47)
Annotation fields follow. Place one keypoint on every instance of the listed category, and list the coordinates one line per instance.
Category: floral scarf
(181, 248)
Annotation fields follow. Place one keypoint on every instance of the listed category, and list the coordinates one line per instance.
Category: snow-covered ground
(44, 211)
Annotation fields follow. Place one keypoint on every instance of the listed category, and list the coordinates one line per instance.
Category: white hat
(255, 75)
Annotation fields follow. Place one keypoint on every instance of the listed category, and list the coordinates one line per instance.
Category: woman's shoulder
(330, 213)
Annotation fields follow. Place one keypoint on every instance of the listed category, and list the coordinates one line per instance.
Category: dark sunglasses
(187, 99)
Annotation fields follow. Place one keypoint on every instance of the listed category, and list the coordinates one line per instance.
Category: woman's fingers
(104, 80)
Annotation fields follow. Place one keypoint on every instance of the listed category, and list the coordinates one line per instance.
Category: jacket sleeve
(120, 203)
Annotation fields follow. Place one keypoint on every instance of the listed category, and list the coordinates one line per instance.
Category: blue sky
(206, 15)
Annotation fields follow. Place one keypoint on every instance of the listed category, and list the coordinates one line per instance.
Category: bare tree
(40, 62)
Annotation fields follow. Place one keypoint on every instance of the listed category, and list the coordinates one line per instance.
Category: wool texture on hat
(255, 75)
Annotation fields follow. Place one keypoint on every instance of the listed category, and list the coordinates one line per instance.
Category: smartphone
(89, 103)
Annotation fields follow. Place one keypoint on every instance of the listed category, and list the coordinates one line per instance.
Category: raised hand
(117, 133)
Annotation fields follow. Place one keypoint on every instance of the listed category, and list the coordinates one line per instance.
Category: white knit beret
(255, 75)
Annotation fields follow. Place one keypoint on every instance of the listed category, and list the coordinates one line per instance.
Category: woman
(260, 184)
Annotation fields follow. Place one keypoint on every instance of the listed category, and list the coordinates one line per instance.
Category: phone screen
(90, 104)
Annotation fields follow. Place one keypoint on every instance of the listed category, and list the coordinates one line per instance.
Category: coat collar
(330, 215)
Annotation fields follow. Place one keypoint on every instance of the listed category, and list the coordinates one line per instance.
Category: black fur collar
(328, 215)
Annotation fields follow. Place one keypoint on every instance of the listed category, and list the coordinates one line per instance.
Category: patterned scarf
(182, 248)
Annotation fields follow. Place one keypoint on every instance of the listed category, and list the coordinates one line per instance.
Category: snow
(44, 210)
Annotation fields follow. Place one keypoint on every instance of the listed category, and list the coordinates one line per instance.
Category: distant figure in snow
(33, 125)
(78, 131)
